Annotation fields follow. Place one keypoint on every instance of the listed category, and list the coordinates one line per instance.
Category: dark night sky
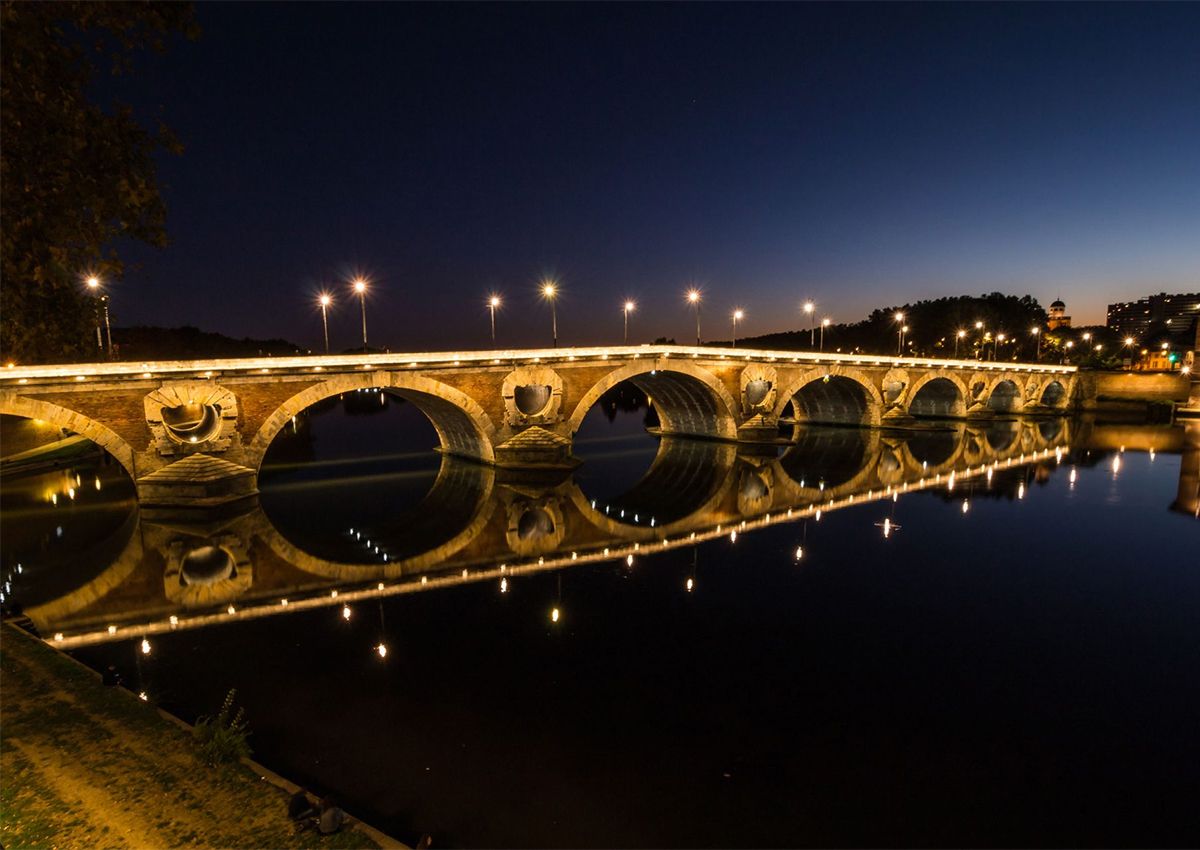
(859, 155)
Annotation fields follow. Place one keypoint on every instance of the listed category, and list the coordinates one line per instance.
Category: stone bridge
(159, 575)
(198, 431)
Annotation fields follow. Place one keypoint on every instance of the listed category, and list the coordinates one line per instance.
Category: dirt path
(93, 767)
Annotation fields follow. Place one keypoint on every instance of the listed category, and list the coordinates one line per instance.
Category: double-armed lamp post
(94, 285)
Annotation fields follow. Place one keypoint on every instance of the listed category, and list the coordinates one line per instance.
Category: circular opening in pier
(532, 399)
(756, 391)
(192, 423)
(535, 523)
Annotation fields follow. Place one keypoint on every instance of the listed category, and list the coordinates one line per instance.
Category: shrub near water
(223, 738)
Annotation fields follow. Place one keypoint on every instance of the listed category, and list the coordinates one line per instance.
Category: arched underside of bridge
(932, 450)
(462, 426)
(937, 397)
(1054, 394)
(76, 423)
(690, 401)
(835, 400)
(1005, 397)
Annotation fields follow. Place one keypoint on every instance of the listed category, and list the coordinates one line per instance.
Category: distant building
(1058, 317)
(1177, 312)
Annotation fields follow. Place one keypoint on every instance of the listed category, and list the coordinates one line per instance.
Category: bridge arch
(938, 394)
(462, 426)
(1054, 394)
(837, 395)
(103, 436)
(689, 400)
(1004, 395)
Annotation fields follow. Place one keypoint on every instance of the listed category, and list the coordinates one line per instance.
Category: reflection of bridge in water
(167, 575)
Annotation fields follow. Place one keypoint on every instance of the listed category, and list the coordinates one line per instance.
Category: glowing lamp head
(738, 315)
(904, 328)
(1035, 331)
(554, 615)
(93, 282)
(961, 334)
(360, 285)
(899, 317)
(1129, 340)
(809, 306)
(826, 322)
(629, 306)
(693, 296)
(494, 301)
(549, 290)
(326, 300)
(979, 326)
(382, 650)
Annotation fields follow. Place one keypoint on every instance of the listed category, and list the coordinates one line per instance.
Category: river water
(984, 635)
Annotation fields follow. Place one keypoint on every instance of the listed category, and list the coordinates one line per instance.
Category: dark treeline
(188, 343)
(992, 326)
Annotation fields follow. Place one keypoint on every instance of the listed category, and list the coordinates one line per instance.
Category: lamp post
(738, 315)
(995, 353)
(360, 286)
(1129, 345)
(957, 337)
(899, 317)
(550, 292)
(693, 298)
(493, 303)
(325, 302)
(1037, 335)
(809, 307)
(93, 283)
(824, 324)
(979, 327)
(628, 308)
(1067, 346)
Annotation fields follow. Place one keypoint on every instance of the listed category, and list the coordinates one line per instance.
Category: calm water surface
(1016, 661)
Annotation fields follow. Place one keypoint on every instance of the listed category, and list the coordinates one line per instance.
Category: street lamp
(899, 317)
(693, 297)
(824, 324)
(94, 284)
(738, 315)
(360, 286)
(550, 292)
(1037, 333)
(995, 353)
(1129, 345)
(325, 302)
(629, 307)
(809, 308)
(493, 303)
(1069, 345)
(958, 336)
(979, 327)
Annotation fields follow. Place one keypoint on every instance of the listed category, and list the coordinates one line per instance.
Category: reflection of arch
(936, 451)
(1001, 435)
(831, 456)
(462, 426)
(29, 408)
(450, 517)
(689, 400)
(688, 479)
(48, 614)
(837, 395)
(938, 393)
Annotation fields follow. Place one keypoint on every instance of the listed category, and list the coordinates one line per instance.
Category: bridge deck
(475, 359)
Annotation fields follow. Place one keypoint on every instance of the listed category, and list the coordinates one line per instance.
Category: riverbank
(89, 766)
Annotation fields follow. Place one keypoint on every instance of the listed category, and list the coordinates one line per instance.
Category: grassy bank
(82, 765)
